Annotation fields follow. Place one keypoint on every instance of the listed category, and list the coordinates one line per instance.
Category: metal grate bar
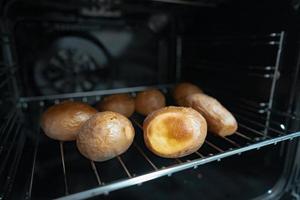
(91, 93)
(274, 81)
(15, 164)
(243, 136)
(261, 74)
(8, 152)
(230, 37)
(96, 172)
(224, 42)
(140, 150)
(293, 116)
(5, 81)
(145, 156)
(6, 72)
(6, 134)
(256, 115)
(199, 154)
(138, 124)
(259, 124)
(214, 146)
(28, 194)
(253, 130)
(188, 3)
(124, 166)
(9, 119)
(219, 66)
(230, 141)
(64, 167)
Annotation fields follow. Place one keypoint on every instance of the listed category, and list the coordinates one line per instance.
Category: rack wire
(189, 3)
(250, 136)
(11, 139)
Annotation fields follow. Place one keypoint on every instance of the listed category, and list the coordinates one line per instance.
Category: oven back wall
(85, 56)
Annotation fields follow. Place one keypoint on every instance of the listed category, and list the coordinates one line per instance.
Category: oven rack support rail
(83, 95)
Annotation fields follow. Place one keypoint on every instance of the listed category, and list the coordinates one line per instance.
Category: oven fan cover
(71, 64)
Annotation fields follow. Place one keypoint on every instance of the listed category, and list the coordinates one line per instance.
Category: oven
(246, 54)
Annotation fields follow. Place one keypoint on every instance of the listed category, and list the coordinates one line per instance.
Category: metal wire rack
(64, 164)
(11, 139)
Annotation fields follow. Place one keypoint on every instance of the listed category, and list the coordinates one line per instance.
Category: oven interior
(244, 54)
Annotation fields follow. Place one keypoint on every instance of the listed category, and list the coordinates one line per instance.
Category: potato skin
(120, 103)
(105, 136)
(149, 101)
(219, 120)
(63, 121)
(182, 90)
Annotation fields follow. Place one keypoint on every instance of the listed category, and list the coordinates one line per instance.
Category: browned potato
(120, 103)
(173, 132)
(105, 136)
(182, 90)
(219, 120)
(149, 101)
(63, 121)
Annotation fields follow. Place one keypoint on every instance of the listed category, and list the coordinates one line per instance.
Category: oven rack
(250, 136)
(255, 140)
(189, 2)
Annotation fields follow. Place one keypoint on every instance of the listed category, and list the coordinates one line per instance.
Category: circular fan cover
(72, 64)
